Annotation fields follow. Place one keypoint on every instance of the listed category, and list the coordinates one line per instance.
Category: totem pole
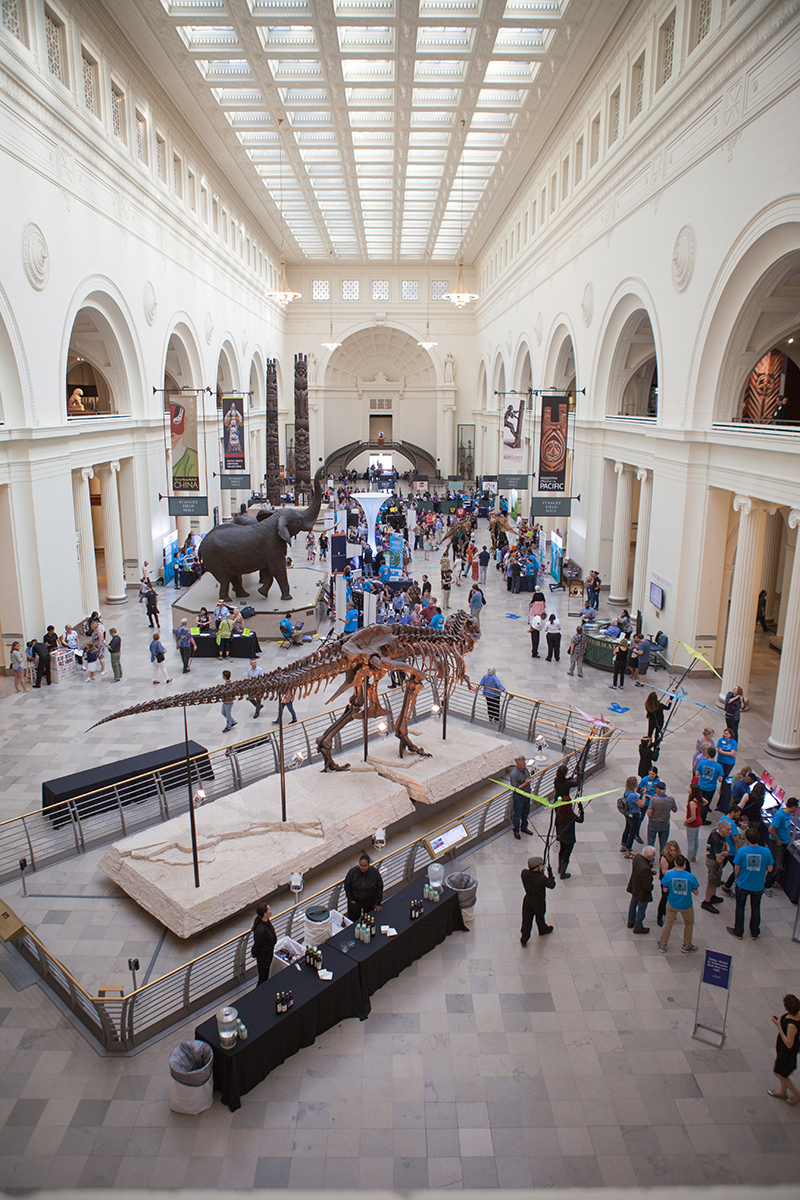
(302, 476)
(273, 452)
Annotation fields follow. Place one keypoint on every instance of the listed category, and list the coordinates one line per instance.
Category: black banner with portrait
(553, 433)
(233, 432)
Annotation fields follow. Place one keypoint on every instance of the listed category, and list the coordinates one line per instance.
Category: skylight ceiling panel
(501, 98)
(244, 119)
(485, 138)
(375, 189)
(259, 137)
(370, 97)
(487, 120)
(280, 8)
(302, 95)
(209, 39)
(320, 154)
(421, 156)
(294, 38)
(370, 168)
(424, 170)
(221, 70)
(374, 155)
(237, 97)
(185, 9)
(308, 117)
(364, 8)
(366, 39)
(431, 118)
(373, 137)
(525, 40)
(439, 69)
(450, 8)
(511, 71)
(365, 120)
(309, 137)
(357, 70)
(428, 137)
(547, 11)
(285, 69)
(445, 39)
(434, 96)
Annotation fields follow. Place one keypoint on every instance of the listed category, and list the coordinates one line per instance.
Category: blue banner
(717, 969)
(395, 555)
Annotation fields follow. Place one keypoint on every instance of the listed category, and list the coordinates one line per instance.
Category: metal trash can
(466, 888)
(191, 1084)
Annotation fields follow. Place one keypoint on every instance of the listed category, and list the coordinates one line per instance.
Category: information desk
(385, 957)
(241, 647)
(121, 780)
(274, 1037)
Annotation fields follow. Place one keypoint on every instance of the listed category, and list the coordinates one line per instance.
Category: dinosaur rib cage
(437, 653)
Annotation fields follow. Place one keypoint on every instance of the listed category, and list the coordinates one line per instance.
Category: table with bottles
(295, 1005)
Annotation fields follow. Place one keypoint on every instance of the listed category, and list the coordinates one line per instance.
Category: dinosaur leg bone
(325, 743)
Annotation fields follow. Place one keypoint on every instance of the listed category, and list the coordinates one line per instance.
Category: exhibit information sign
(183, 435)
(234, 483)
(395, 555)
(233, 432)
(553, 444)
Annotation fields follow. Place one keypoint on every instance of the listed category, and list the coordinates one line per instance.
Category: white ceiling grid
(375, 125)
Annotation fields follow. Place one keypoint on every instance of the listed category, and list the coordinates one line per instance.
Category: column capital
(619, 467)
(114, 467)
(643, 472)
(746, 505)
(87, 473)
(793, 519)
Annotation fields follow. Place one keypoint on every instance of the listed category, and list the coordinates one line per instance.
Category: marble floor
(485, 1065)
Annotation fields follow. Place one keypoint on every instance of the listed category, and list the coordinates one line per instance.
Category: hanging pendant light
(284, 294)
(460, 296)
(428, 343)
(331, 343)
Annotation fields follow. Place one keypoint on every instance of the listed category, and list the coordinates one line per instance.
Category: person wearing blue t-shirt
(633, 816)
(351, 620)
(647, 783)
(780, 832)
(437, 620)
(709, 772)
(726, 757)
(681, 884)
(751, 863)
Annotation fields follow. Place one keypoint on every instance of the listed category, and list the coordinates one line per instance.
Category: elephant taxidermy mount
(231, 551)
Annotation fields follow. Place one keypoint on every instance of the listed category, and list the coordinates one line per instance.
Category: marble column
(784, 738)
(769, 569)
(788, 566)
(447, 449)
(621, 549)
(115, 571)
(744, 594)
(642, 539)
(90, 597)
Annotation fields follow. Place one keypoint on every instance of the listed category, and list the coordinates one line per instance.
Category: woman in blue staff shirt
(726, 757)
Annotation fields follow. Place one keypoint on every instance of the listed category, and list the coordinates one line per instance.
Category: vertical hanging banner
(395, 555)
(553, 433)
(233, 432)
(513, 472)
(183, 436)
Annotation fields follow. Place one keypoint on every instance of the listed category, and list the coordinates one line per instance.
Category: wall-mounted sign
(234, 483)
(551, 506)
(188, 506)
(517, 483)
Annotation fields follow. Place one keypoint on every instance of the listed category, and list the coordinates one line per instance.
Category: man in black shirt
(41, 656)
(363, 887)
(534, 904)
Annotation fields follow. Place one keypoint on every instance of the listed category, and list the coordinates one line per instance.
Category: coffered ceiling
(381, 130)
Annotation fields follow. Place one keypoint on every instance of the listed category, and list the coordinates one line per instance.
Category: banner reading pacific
(553, 444)
(183, 433)
(233, 432)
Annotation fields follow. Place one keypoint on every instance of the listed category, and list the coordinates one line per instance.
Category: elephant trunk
(309, 515)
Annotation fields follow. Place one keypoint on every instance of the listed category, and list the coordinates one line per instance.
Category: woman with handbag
(632, 806)
(157, 657)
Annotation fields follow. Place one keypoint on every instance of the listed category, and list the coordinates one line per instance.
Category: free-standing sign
(553, 444)
(717, 970)
(395, 555)
(233, 432)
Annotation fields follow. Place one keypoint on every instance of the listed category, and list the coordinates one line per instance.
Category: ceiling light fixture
(427, 343)
(284, 294)
(460, 296)
(331, 343)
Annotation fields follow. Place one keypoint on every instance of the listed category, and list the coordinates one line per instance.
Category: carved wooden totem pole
(273, 452)
(302, 466)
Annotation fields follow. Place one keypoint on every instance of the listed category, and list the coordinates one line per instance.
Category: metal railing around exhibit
(122, 1023)
(86, 822)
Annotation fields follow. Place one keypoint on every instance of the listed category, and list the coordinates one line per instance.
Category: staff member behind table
(363, 887)
(264, 939)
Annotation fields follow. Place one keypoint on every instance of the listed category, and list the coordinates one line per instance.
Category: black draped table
(273, 1037)
(241, 647)
(385, 957)
(358, 971)
(126, 781)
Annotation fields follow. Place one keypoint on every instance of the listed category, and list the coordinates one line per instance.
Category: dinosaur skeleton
(459, 532)
(364, 658)
(499, 523)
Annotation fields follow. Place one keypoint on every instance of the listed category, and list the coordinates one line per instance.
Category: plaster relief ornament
(35, 257)
(587, 304)
(363, 658)
(150, 303)
(537, 329)
(209, 328)
(683, 255)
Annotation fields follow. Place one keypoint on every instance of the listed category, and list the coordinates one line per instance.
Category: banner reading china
(553, 444)
(233, 432)
(183, 434)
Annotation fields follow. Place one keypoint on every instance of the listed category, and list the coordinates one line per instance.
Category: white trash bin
(318, 926)
(191, 1083)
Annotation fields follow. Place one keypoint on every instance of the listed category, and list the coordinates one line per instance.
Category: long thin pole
(366, 720)
(192, 825)
(444, 717)
(280, 759)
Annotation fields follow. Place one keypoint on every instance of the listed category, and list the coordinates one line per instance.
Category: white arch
(522, 377)
(630, 297)
(227, 346)
(99, 294)
(721, 355)
(182, 327)
(17, 404)
(561, 341)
